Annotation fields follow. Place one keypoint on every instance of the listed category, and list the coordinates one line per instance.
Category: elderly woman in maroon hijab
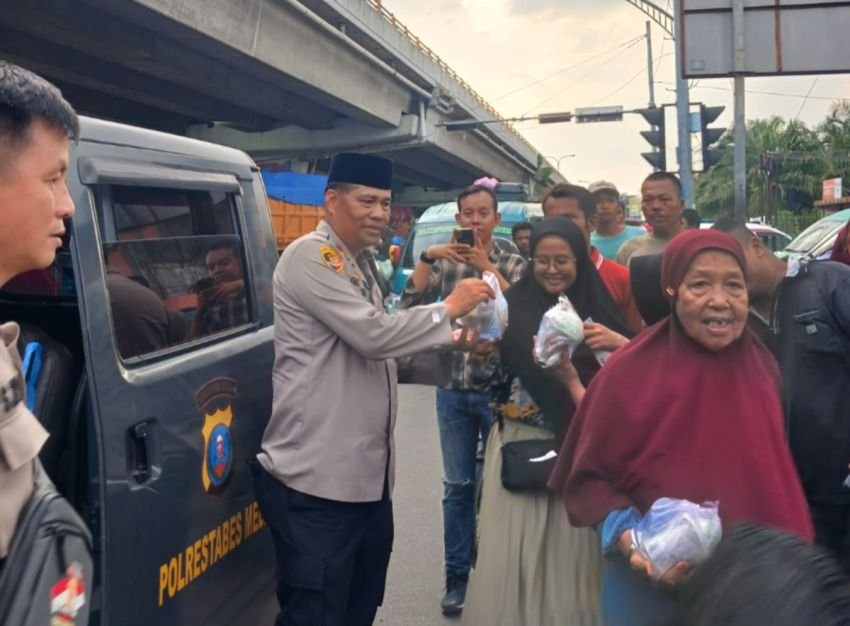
(689, 409)
(841, 249)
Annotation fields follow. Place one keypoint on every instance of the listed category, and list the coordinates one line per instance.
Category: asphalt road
(415, 580)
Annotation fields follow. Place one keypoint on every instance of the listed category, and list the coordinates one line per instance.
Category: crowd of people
(651, 423)
(724, 384)
(724, 381)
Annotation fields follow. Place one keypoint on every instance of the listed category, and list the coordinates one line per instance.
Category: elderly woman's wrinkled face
(554, 265)
(711, 302)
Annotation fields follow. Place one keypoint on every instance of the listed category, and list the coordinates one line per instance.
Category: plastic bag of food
(489, 319)
(561, 328)
(677, 530)
(392, 303)
(601, 355)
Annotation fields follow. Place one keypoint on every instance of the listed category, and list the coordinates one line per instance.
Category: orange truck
(291, 220)
(295, 203)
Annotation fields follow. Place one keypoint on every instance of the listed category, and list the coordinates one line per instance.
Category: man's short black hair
(520, 226)
(473, 189)
(340, 187)
(25, 97)
(566, 190)
(657, 176)
(761, 576)
(692, 218)
(227, 244)
(733, 227)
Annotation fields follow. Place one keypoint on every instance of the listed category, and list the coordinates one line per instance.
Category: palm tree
(834, 133)
(787, 150)
(543, 177)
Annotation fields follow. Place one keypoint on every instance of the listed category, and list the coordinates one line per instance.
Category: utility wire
(764, 93)
(568, 68)
(630, 80)
(806, 99)
(621, 87)
(583, 76)
(661, 53)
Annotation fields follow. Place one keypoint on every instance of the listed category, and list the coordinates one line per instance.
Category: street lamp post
(558, 160)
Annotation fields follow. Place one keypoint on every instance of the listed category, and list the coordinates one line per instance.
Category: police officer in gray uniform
(326, 465)
(35, 125)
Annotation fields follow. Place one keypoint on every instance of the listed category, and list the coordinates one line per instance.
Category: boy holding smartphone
(463, 406)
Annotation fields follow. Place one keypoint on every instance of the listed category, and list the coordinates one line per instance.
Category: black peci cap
(361, 169)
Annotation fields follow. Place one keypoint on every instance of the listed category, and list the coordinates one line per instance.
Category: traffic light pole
(683, 114)
(740, 151)
(650, 73)
(740, 164)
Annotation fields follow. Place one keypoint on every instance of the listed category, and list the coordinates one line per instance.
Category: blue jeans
(462, 416)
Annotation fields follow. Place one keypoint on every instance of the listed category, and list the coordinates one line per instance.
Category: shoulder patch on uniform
(331, 258)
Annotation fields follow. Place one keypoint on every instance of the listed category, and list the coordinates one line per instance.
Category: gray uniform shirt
(331, 430)
(21, 437)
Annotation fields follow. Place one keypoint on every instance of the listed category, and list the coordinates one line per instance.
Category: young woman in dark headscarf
(690, 409)
(533, 568)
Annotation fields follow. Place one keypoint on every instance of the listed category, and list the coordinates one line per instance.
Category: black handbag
(423, 368)
(523, 464)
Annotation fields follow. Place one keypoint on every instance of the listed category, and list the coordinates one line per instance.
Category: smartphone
(204, 284)
(465, 235)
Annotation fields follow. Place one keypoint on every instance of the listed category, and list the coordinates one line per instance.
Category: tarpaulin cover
(296, 188)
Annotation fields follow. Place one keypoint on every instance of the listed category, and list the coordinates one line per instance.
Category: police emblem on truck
(214, 402)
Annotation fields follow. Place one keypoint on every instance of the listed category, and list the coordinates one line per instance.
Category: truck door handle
(138, 437)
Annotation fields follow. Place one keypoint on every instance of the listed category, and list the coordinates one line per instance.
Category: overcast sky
(587, 53)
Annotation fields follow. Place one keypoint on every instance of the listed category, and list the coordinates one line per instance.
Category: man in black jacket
(801, 310)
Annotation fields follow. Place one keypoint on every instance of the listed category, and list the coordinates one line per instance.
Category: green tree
(784, 158)
(834, 133)
(543, 178)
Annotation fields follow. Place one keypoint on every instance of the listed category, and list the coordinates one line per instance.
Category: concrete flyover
(282, 79)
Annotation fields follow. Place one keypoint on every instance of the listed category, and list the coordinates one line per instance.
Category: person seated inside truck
(178, 325)
(222, 302)
(142, 323)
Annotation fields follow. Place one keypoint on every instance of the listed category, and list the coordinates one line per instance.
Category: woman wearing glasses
(533, 568)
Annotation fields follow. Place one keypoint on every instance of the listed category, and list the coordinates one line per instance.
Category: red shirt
(617, 281)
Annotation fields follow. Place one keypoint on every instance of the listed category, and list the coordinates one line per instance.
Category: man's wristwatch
(426, 259)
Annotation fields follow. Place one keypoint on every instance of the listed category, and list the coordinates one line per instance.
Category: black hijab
(528, 301)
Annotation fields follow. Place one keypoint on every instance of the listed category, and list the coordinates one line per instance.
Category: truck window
(174, 266)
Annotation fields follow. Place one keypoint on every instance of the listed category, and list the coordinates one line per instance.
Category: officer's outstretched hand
(467, 294)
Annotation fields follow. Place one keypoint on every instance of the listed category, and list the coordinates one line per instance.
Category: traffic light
(708, 115)
(656, 137)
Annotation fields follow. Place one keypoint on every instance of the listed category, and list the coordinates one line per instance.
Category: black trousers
(832, 530)
(332, 556)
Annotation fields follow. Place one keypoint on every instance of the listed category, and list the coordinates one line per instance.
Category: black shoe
(452, 603)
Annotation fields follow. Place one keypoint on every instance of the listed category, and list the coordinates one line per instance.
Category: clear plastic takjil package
(560, 329)
(489, 319)
(677, 530)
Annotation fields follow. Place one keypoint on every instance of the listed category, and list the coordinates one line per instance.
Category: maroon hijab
(665, 417)
(840, 251)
